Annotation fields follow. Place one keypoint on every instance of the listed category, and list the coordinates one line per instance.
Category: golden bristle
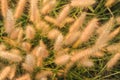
(48, 7)
(58, 43)
(20, 8)
(4, 7)
(2, 47)
(113, 61)
(26, 46)
(53, 34)
(10, 57)
(109, 3)
(62, 60)
(82, 3)
(24, 77)
(85, 63)
(63, 14)
(12, 72)
(71, 37)
(9, 22)
(14, 34)
(30, 32)
(43, 74)
(78, 23)
(87, 32)
(5, 72)
(103, 37)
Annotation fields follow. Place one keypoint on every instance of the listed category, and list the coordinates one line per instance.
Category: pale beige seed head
(48, 7)
(4, 7)
(30, 32)
(114, 33)
(24, 77)
(20, 8)
(103, 37)
(113, 61)
(87, 32)
(58, 43)
(109, 3)
(85, 62)
(50, 19)
(2, 47)
(26, 46)
(53, 34)
(30, 60)
(82, 3)
(20, 35)
(43, 27)
(27, 67)
(78, 23)
(9, 22)
(113, 48)
(12, 72)
(63, 14)
(118, 20)
(98, 54)
(10, 56)
(62, 60)
(40, 52)
(43, 74)
(15, 51)
(4, 73)
(14, 34)
(34, 11)
(71, 37)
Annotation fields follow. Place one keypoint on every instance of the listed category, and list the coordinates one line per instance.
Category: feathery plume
(44, 2)
(9, 22)
(12, 72)
(114, 48)
(15, 51)
(113, 61)
(98, 54)
(34, 11)
(63, 14)
(14, 34)
(26, 46)
(43, 27)
(20, 8)
(24, 77)
(118, 20)
(5, 72)
(43, 74)
(10, 56)
(103, 38)
(30, 32)
(58, 43)
(52, 20)
(30, 60)
(109, 3)
(4, 7)
(87, 33)
(71, 37)
(48, 7)
(114, 33)
(82, 3)
(2, 47)
(78, 23)
(62, 60)
(53, 34)
(85, 63)
(29, 63)
(20, 35)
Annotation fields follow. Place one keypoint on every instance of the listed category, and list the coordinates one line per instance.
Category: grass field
(39, 53)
